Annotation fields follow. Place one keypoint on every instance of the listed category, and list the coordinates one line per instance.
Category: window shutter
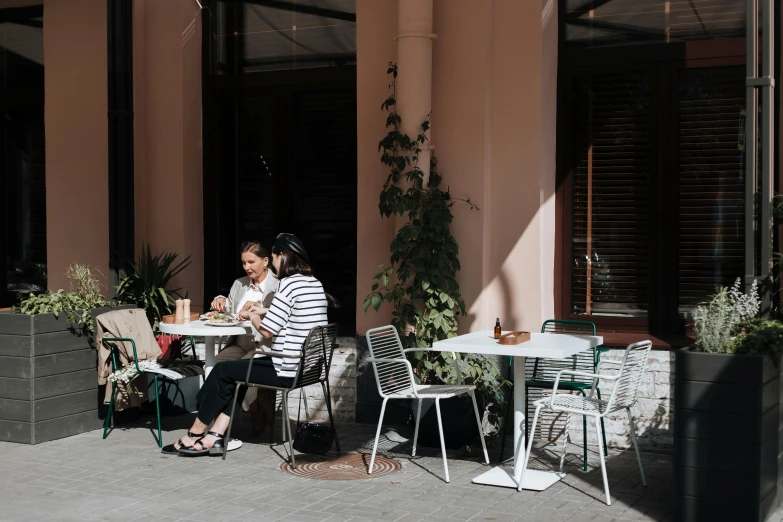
(711, 186)
(611, 172)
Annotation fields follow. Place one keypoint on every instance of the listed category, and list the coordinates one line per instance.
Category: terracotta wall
(77, 190)
(493, 133)
(168, 149)
(376, 25)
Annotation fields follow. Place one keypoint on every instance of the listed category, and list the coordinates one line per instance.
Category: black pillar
(120, 119)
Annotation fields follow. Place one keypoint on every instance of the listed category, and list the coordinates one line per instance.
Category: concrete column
(414, 64)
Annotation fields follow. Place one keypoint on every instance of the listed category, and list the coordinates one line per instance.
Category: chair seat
(562, 385)
(436, 391)
(575, 403)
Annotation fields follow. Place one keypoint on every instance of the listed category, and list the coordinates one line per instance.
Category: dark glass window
(591, 23)
(22, 170)
(280, 138)
(255, 36)
(711, 182)
(611, 189)
(655, 184)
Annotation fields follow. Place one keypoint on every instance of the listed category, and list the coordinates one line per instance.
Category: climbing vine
(420, 280)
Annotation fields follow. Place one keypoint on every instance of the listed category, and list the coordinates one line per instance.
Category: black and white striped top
(299, 305)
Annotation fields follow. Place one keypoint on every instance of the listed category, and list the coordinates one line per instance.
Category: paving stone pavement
(125, 478)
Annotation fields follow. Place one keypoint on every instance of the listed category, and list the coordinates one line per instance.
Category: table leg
(209, 354)
(509, 477)
(519, 416)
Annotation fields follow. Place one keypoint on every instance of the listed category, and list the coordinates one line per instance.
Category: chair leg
(566, 439)
(442, 442)
(287, 430)
(377, 436)
(328, 399)
(108, 421)
(603, 462)
(416, 431)
(508, 419)
(480, 427)
(272, 426)
(157, 411)
(528, 449)
(527, 413)
(603, 429)
(636, 446)
(584, 437)
(227, 438)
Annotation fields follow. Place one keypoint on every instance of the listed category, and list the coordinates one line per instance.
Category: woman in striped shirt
(299, 305)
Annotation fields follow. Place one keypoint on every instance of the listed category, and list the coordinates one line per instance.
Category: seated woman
(257, 289)
(299, 305)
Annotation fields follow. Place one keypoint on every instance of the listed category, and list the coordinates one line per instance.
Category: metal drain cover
(344, 466)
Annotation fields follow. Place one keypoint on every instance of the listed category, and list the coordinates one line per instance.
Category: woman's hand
(246, 314)
(259, 310)
(250, 304)
(218, 304)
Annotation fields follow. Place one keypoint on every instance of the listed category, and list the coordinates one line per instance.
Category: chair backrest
(393, 378)
(314, 365)
(632, 367)
(546, 369)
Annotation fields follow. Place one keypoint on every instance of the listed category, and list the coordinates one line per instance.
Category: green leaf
(376, 300)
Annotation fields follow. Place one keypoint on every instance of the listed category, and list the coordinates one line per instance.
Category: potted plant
(47, 362)
(420, 280)
(146, 285)
(727, 420)
(147, 282)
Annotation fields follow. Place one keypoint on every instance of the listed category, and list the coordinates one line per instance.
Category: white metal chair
(625, 387)
(394, 375)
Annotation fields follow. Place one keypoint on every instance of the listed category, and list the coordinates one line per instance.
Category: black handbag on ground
(314, 437)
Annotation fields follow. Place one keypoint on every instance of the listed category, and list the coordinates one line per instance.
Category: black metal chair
(314, 364)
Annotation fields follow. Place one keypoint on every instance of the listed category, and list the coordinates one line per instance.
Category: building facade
(601, 141)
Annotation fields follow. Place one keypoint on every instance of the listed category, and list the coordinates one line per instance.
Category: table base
(504, 477)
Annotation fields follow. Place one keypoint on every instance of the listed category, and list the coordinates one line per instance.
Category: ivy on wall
(420, 279)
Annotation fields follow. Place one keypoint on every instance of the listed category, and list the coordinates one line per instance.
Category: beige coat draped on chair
(132, 324)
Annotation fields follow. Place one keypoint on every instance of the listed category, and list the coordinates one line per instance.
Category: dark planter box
(48, 379)
(727, 437)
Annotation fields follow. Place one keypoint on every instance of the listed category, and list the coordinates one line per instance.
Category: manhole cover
(347, 466)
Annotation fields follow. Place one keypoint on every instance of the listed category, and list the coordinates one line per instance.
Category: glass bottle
(497, 328)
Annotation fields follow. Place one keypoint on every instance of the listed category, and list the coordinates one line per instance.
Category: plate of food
(219, 319)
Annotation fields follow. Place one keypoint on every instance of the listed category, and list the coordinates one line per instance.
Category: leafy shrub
(759, 336)
(145, 286)
(717, 322)
(420, 280)
(85, 295)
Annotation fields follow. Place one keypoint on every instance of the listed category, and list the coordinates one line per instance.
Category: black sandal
(169, 449)
(216, 449)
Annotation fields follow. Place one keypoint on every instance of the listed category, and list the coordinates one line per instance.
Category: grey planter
(727, 436)
(48, 379)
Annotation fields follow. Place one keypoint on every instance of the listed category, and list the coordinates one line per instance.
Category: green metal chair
(540, 373)
(110, 343)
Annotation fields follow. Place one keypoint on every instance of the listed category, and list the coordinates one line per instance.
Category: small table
(209, 333)
(551, 346)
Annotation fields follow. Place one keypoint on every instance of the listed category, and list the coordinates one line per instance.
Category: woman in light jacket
(256, 289)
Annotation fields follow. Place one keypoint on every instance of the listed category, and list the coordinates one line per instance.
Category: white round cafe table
(209, 333)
